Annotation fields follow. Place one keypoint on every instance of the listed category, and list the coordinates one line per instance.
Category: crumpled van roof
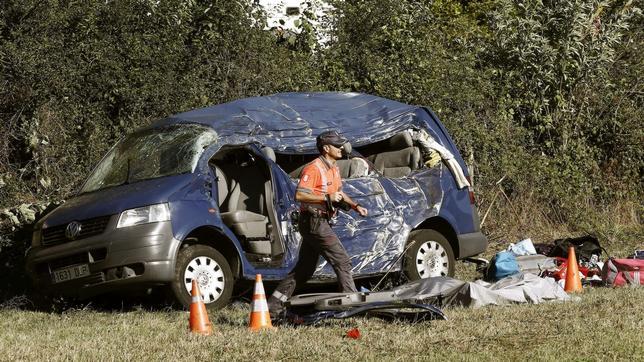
(289, 122)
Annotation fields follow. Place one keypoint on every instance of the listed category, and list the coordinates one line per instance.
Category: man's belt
(315, 212)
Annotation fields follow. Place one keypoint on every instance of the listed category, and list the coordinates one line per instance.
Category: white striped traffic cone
(259, 316)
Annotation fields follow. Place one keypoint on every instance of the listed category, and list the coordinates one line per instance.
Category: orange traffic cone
(259, 316)
(199, 322)
(573, 282)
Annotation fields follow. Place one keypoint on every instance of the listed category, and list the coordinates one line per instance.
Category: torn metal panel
(392, 311)
(396, 206)
(518, 288)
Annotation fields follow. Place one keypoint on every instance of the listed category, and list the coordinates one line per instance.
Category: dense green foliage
(556, 62)
(547, 93)
(77, 76)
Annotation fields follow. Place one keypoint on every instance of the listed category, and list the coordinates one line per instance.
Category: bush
(78, 77)
(555, 64)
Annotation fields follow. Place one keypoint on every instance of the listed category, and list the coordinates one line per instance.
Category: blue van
(208, 195)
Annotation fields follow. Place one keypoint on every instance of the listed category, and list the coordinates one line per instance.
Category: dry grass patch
(604, 324)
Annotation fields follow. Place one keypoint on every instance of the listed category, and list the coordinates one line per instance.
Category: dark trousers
(317, 239)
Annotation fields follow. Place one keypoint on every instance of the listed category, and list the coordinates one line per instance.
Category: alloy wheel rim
(432, 260)
(209, 276)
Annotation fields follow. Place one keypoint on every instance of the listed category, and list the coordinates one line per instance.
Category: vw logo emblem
(73, 229)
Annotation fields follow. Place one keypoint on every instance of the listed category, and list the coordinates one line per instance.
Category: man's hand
(336, 196)
(362, 211)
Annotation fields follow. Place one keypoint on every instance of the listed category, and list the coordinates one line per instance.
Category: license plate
(69, 273)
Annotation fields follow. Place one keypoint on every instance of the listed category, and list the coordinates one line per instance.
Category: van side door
(375, 241)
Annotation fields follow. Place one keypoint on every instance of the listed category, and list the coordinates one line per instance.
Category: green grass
(603, 324)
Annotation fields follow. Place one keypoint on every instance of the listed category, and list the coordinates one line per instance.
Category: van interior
(395, 157)
(245, 186)
(246, 202)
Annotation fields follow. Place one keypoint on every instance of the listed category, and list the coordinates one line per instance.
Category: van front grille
(89, 227)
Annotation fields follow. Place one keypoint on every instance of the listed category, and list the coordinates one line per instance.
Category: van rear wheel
(429, 254)
(211, 271)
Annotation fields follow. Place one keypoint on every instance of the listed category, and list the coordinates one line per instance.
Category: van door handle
(208, 188)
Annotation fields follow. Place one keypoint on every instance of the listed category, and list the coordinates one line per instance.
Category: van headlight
(144, 215)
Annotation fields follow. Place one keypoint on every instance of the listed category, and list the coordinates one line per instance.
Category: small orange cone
(199, 322)
(573, 282)
(259, 316)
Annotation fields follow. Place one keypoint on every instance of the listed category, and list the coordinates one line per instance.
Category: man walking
(320, 185)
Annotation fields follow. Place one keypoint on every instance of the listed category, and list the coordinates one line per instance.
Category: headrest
(269, 153)
(222, 184)
(346, 149)
(400, 141)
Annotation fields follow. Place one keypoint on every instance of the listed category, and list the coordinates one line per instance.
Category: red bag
(619, 272)
(562, 263)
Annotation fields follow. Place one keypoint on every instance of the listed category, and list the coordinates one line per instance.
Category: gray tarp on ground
(518, 288)
(444, 292)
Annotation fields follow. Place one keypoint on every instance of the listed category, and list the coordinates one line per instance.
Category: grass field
(604, 324)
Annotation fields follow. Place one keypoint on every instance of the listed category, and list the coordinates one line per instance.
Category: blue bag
(502, 265)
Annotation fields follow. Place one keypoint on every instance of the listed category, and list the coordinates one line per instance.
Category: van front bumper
(118, 259)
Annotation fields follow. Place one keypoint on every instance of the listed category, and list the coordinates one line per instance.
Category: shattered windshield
(151, 153)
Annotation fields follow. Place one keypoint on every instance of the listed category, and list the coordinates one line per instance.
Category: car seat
(402, 160)
(352, 167)
(222, 184)
(344, 164)
(245, 201)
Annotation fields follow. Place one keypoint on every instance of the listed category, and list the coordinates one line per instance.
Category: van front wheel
(429, 254)
(211, 271)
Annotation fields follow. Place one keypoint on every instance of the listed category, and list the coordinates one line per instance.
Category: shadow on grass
(16, 291)
(153, 300)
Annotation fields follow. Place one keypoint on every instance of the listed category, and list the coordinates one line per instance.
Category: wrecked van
(208, 195)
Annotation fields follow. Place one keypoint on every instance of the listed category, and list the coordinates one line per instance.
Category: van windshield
(151, 153)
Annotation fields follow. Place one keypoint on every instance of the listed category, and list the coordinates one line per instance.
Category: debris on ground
(395, 310)
(353, 333)
(550, 260)
(522, 248)
(502, 265)
(536, 264)
(521, 274)
(420, 300)
(621, 272)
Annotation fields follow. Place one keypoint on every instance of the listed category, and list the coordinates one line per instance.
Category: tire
(428, 254)
(212, 271)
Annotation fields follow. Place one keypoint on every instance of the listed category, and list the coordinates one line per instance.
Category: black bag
(585, 247)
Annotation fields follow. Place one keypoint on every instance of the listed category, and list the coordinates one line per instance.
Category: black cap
(330, 138)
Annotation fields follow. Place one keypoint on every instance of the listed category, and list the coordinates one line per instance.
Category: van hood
(115, 200)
